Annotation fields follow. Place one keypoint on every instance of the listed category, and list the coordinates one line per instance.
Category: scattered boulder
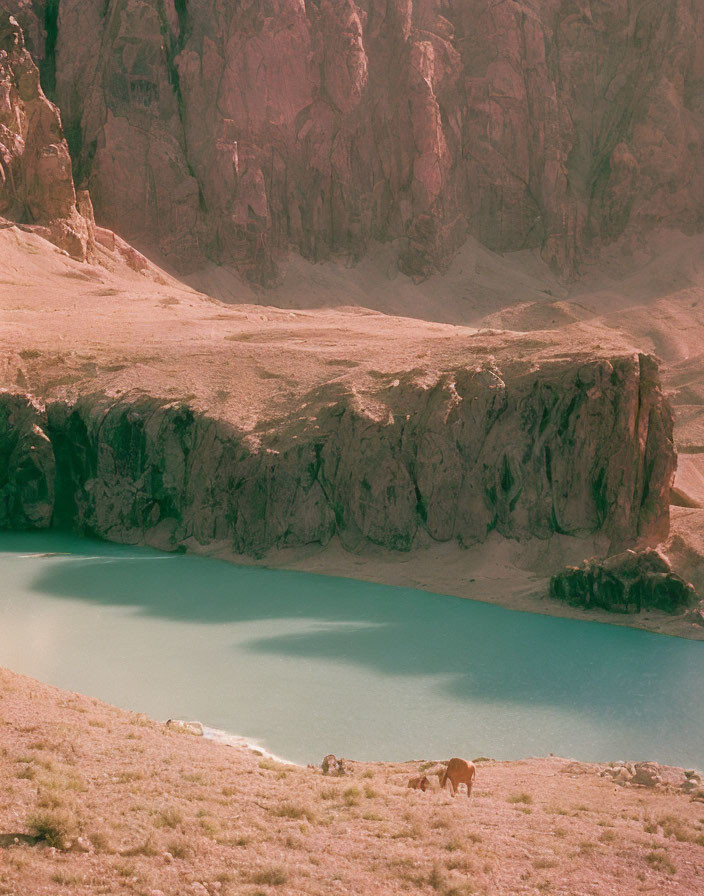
(645, 774)
(331, 765)
(620, 772)
(194, 728)
(693, 784)
(625, 583)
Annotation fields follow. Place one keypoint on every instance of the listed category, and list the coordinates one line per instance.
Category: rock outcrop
(27, 466)
(569, 449)
(653, 776)
(36, 179)
(183, 727)
(236, 131)
(625, 583)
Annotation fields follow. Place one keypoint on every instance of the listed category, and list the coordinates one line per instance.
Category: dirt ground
(95, 800)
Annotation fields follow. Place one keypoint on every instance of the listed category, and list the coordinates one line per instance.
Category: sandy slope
(152, 812)
(646, 295)
(70, 327)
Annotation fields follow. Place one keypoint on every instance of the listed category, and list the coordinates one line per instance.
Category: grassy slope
(150, 811)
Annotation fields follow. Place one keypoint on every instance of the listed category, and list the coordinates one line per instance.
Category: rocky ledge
(656, 777)
(579, 449)
(625, 583)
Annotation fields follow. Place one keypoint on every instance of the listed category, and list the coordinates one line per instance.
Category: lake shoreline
(500, 572)
(290, 660)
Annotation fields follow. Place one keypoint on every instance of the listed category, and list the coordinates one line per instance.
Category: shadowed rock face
(36, 180)
(237, 131)
(627, 583)
(577, 450)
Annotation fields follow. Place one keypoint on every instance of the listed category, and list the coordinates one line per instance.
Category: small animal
(459, 771)
(333, 766)
(420, 783)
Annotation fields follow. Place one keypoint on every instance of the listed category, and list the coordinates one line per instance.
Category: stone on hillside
(194, 728)
(647, 774)
(696, 615)
(331, 765)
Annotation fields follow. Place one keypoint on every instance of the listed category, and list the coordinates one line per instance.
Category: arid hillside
(97, 800)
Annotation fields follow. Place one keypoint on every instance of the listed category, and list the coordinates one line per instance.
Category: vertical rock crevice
(47, 66)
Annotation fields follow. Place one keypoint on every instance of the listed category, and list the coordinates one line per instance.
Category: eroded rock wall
(237, 131)
(36, 178)
(571, 449)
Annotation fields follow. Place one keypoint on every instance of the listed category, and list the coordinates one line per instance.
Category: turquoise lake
(308, 665)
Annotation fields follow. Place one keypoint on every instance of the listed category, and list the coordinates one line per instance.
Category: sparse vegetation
(169, 817)
(147, 848)
(270, 877)
(55, 828)
(179, 849)
(661, 862)
(290, 810)
(351, 796)
(199, 812)
(672, 826)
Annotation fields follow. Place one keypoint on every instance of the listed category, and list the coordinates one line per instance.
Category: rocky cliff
(234, 132)
(571, 449)
(36, 179)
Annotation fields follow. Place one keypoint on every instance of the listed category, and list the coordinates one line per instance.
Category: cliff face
(237, 131)
(577, 450)
(36, 180)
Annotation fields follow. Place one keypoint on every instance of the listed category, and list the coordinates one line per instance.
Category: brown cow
(459, 771)
(421, 783)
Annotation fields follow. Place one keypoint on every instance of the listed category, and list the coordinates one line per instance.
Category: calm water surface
(308, 665)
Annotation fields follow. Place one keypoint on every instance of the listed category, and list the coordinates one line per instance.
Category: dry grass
(660, 861)
(54, 828)
(192, 818)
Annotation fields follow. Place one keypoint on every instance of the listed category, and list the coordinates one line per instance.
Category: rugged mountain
(36, 180)
(138, 410)
(237, 131)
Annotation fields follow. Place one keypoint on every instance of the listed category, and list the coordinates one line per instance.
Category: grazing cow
(420, 783)
(459, 771)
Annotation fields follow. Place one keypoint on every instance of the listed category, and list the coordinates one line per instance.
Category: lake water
(307, 665)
